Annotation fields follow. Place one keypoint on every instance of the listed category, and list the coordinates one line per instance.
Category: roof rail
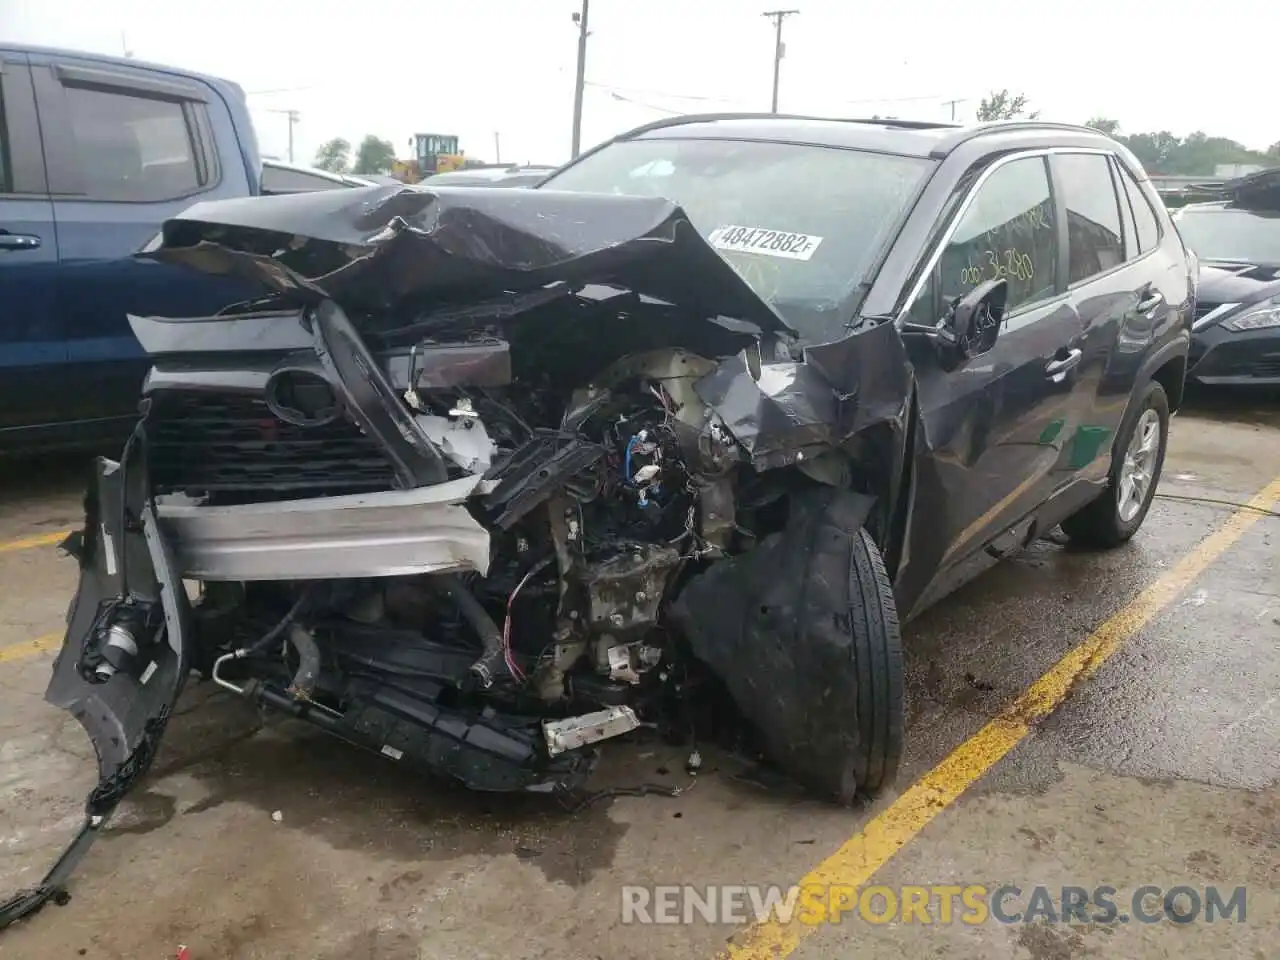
(688, 118)
(966, 134)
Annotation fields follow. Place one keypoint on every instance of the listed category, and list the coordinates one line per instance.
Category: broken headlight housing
(1258, 317)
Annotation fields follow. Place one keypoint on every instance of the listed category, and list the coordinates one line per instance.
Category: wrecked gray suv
(485, 477)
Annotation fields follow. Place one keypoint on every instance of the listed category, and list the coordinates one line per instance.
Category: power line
(263, 93)
(777, 16)
(665, 95)
(647, 106)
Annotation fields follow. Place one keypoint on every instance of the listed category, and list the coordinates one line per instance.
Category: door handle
(1151, 302)
(1056, 370)
(18, 241)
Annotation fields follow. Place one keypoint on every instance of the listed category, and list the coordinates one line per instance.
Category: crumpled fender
(126, 716)
(782, 412)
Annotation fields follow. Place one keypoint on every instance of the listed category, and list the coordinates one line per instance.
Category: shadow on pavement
(28, 480)
(1253, 405)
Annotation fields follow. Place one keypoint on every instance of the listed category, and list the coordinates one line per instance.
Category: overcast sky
(480, 67)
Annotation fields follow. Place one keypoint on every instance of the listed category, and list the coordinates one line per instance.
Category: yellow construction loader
(432, 153)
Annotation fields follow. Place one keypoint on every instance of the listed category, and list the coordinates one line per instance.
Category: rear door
(1126, 292)
(32, 349)
(128, 148)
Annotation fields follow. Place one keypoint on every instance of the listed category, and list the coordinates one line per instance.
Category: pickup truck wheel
(1136, 463)
(849, 598)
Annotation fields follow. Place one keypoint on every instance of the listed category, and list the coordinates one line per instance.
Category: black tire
(803, 631)
(1103, 524)
(874, 639)
(847, 608)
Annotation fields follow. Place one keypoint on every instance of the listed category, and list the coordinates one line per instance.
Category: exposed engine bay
(501, 680)
(478, 494)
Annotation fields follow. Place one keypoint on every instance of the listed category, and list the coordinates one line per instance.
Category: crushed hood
(412, 247)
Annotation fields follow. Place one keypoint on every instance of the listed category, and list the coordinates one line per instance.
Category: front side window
(803, 225)
(1008, 232)
(132, 147)
(1095, 242)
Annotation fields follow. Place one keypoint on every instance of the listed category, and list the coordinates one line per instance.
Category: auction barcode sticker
(770, 243)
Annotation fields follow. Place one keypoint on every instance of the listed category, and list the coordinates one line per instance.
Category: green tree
(1157, 152)
(1110, 128)
(1273, 151)
(1002, 105)
(334, 155)
(374, 155)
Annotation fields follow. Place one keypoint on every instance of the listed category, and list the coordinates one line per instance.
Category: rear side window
(1131, 249)
(1148, 227)
(1007, 232)
(1095, 242)
(132, 147)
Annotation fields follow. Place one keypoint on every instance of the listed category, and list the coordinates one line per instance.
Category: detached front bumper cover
(122, 697)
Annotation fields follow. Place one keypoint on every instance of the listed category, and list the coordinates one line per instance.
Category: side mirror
(974, 319)
(970, 326)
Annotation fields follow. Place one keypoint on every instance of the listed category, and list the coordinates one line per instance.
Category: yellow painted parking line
(26, 543)
(858, 859)
(30, 648)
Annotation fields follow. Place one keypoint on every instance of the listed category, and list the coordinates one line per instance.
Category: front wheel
(1136, 462)
(803, 630)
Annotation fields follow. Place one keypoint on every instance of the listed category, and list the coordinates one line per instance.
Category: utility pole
(777, 16)
(293, 116)
(497, 147)
(952, 105)
(581, 20)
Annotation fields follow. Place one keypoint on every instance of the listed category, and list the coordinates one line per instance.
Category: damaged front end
(438, 492)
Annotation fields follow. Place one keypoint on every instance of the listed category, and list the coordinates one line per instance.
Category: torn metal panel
(396, 533)
(871, 374)
(125, 715)
(784, 412)
(774, 413)
(379, 248)
(114, 563)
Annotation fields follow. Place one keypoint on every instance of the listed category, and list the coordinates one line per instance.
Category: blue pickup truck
(95, 153)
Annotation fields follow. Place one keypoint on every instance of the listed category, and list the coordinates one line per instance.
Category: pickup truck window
(5, 185)
(132, 147)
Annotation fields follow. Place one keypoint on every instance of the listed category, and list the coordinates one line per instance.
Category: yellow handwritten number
(1007, 264)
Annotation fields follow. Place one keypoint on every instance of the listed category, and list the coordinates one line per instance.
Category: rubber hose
(481, 622)
(304, 680)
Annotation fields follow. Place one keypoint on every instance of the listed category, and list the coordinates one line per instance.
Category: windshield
(803, 225)
(1225, 233)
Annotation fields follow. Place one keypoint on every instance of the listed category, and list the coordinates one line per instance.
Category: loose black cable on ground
(1220, 503)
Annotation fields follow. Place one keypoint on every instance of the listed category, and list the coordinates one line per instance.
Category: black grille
(235, 450)
(1267, 366)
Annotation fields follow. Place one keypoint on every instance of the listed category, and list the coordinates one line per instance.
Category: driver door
(991, 426)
